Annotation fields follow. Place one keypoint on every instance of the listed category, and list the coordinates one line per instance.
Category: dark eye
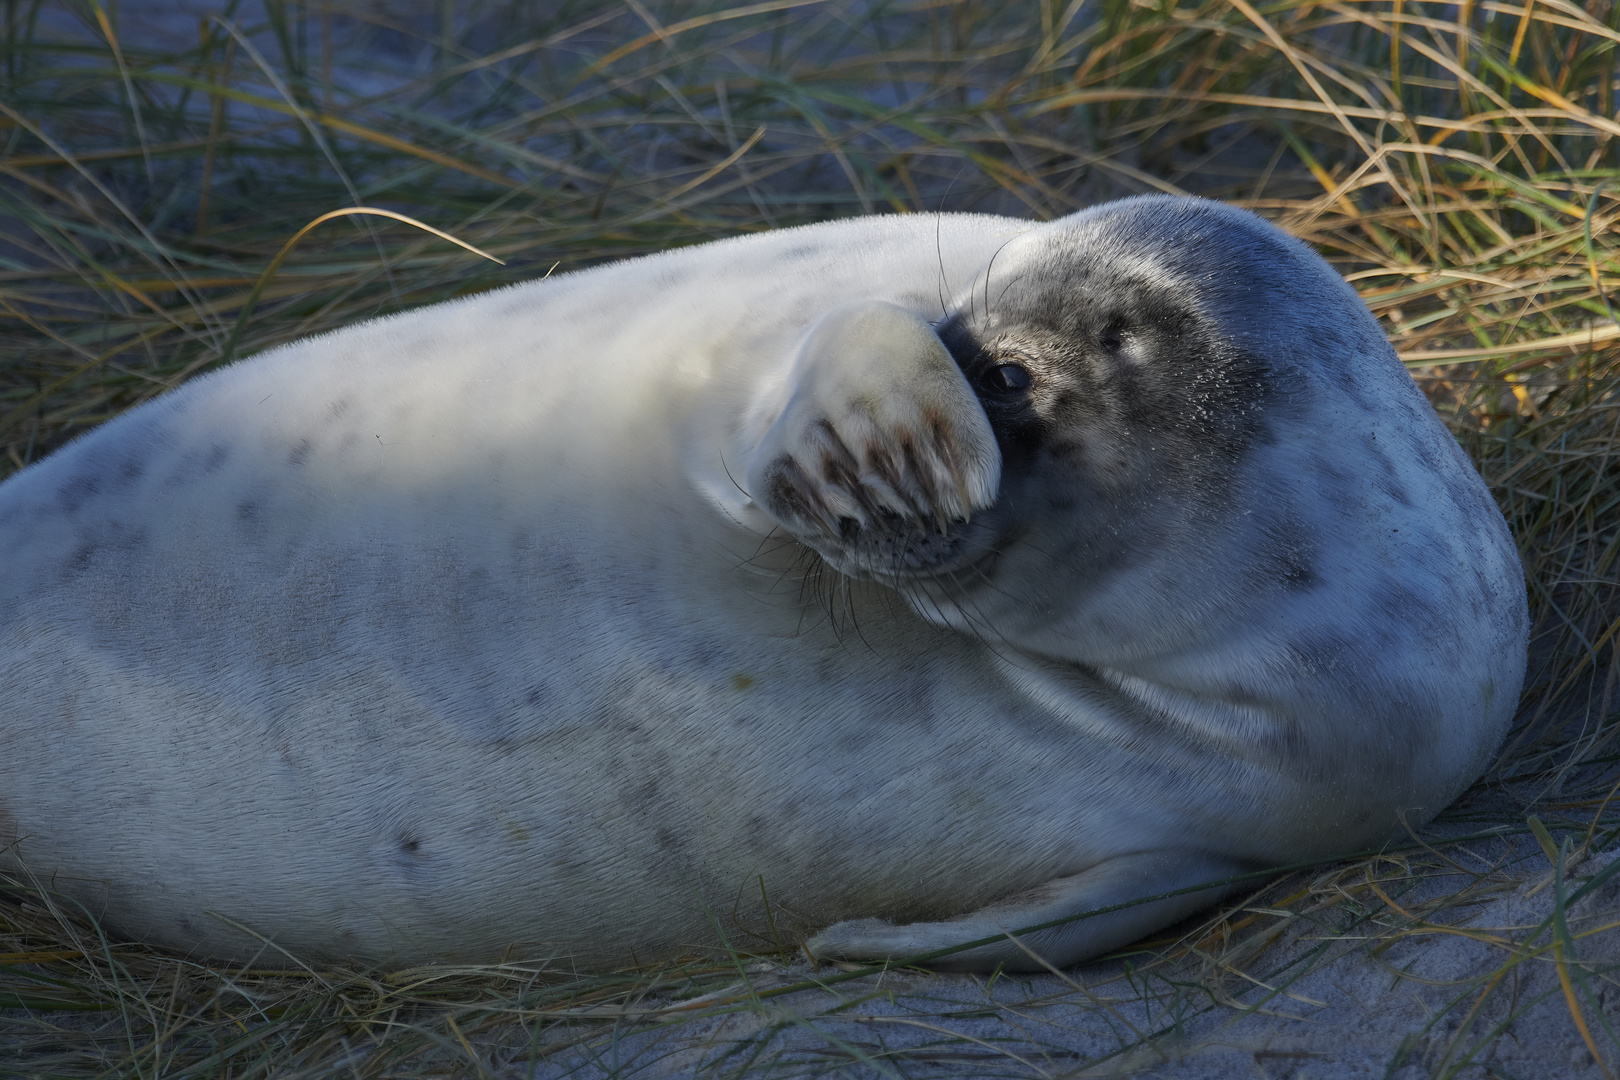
(1005, 379)
(1110, 340)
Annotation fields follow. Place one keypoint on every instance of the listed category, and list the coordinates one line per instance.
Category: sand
(1346, 985)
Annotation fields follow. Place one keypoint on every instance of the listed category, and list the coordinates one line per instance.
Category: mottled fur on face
(1164, 337)
(1166, 342)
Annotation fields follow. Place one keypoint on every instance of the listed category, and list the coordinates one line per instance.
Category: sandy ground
(1348, 990)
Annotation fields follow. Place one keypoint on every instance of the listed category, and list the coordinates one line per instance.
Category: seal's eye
(1111, 340)
(1005, 379)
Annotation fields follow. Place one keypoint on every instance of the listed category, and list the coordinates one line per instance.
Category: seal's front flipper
(1119, 880)
(880, 448)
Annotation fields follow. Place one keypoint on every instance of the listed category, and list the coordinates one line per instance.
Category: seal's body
(937, 576)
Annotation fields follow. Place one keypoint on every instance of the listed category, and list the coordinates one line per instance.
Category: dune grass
(1459, 163)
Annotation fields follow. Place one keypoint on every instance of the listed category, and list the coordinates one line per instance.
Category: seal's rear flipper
(1117, 881)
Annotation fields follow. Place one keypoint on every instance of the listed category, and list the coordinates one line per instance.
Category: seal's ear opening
(878, 427)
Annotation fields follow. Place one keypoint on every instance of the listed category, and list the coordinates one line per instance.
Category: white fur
(466, 629)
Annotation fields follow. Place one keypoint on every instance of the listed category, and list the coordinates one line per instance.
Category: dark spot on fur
(704, 652)
(1404, 608)
(855, 739)
(757, 829)
(250, 510)
(338, 408)
(1388, 478)
(99, 543)
(300, 453)
(643, 798)
(83, 556)
(76, 491)
(194, 463)
(1394, 490)
(1430, 454)
(129, 471)
(1289, 555)
(412, 863)
(1336, 484)
(1349, 382)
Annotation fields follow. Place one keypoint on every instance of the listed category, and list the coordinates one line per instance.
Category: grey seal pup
(934, 577)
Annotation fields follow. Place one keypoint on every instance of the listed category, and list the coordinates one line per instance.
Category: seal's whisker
(988, 270)
(794, 571)
(984, 628)
(742, 490)
(854, 616)
(1016, 279)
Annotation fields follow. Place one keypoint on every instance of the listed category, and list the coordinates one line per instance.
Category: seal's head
(1143, 342)
(1125, 364)
(1140, 363)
